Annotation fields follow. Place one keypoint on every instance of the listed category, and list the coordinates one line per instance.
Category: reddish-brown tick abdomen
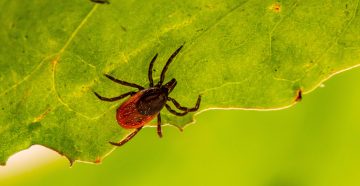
(128, 116)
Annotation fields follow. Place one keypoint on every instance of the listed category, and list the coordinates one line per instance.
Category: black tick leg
(177, 105)
(151, 81)
(174, 112)
(124, 82)
(122, 142)
(162, 76)
(114, 98)
(159, 125)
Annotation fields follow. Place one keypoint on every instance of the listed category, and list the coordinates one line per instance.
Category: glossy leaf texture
(243, 54)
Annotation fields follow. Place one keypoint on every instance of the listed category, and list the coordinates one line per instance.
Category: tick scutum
(152, 101)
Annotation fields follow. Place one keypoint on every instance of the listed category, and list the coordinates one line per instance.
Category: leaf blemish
(199, 30)
(298, 96)
(34, 126)
(276, 7)
(100, 1)
(123, 28)
(41, 116)
(54, 62)
(98, 160)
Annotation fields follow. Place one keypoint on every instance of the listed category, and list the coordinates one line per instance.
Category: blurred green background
(314, 143)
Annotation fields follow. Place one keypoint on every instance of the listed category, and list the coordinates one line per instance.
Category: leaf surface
(237, 54)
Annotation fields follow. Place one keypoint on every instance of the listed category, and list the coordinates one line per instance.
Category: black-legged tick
(146, 104)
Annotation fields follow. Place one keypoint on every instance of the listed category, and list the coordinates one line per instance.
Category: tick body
(146, 104)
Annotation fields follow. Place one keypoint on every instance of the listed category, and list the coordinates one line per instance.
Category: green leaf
(237, 54)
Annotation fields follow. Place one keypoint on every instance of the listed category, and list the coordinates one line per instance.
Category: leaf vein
(335, 42)
(27, 76)
(218, 20)
(277, 24)
(62, 50)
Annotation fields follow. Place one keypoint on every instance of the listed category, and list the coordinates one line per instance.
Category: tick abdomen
(128, 115)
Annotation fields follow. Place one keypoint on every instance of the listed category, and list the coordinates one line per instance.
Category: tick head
(169, 86)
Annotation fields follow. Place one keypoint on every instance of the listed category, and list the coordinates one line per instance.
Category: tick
(146, 104)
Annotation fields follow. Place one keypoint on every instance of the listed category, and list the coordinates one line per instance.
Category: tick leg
(114, 98)
(162, 77)
(150, 70)
(177, 105)
(174, 112)
(159, 125)
(124, 82)
(129, 137)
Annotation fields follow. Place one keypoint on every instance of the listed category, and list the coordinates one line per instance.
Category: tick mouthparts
(171, 84)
